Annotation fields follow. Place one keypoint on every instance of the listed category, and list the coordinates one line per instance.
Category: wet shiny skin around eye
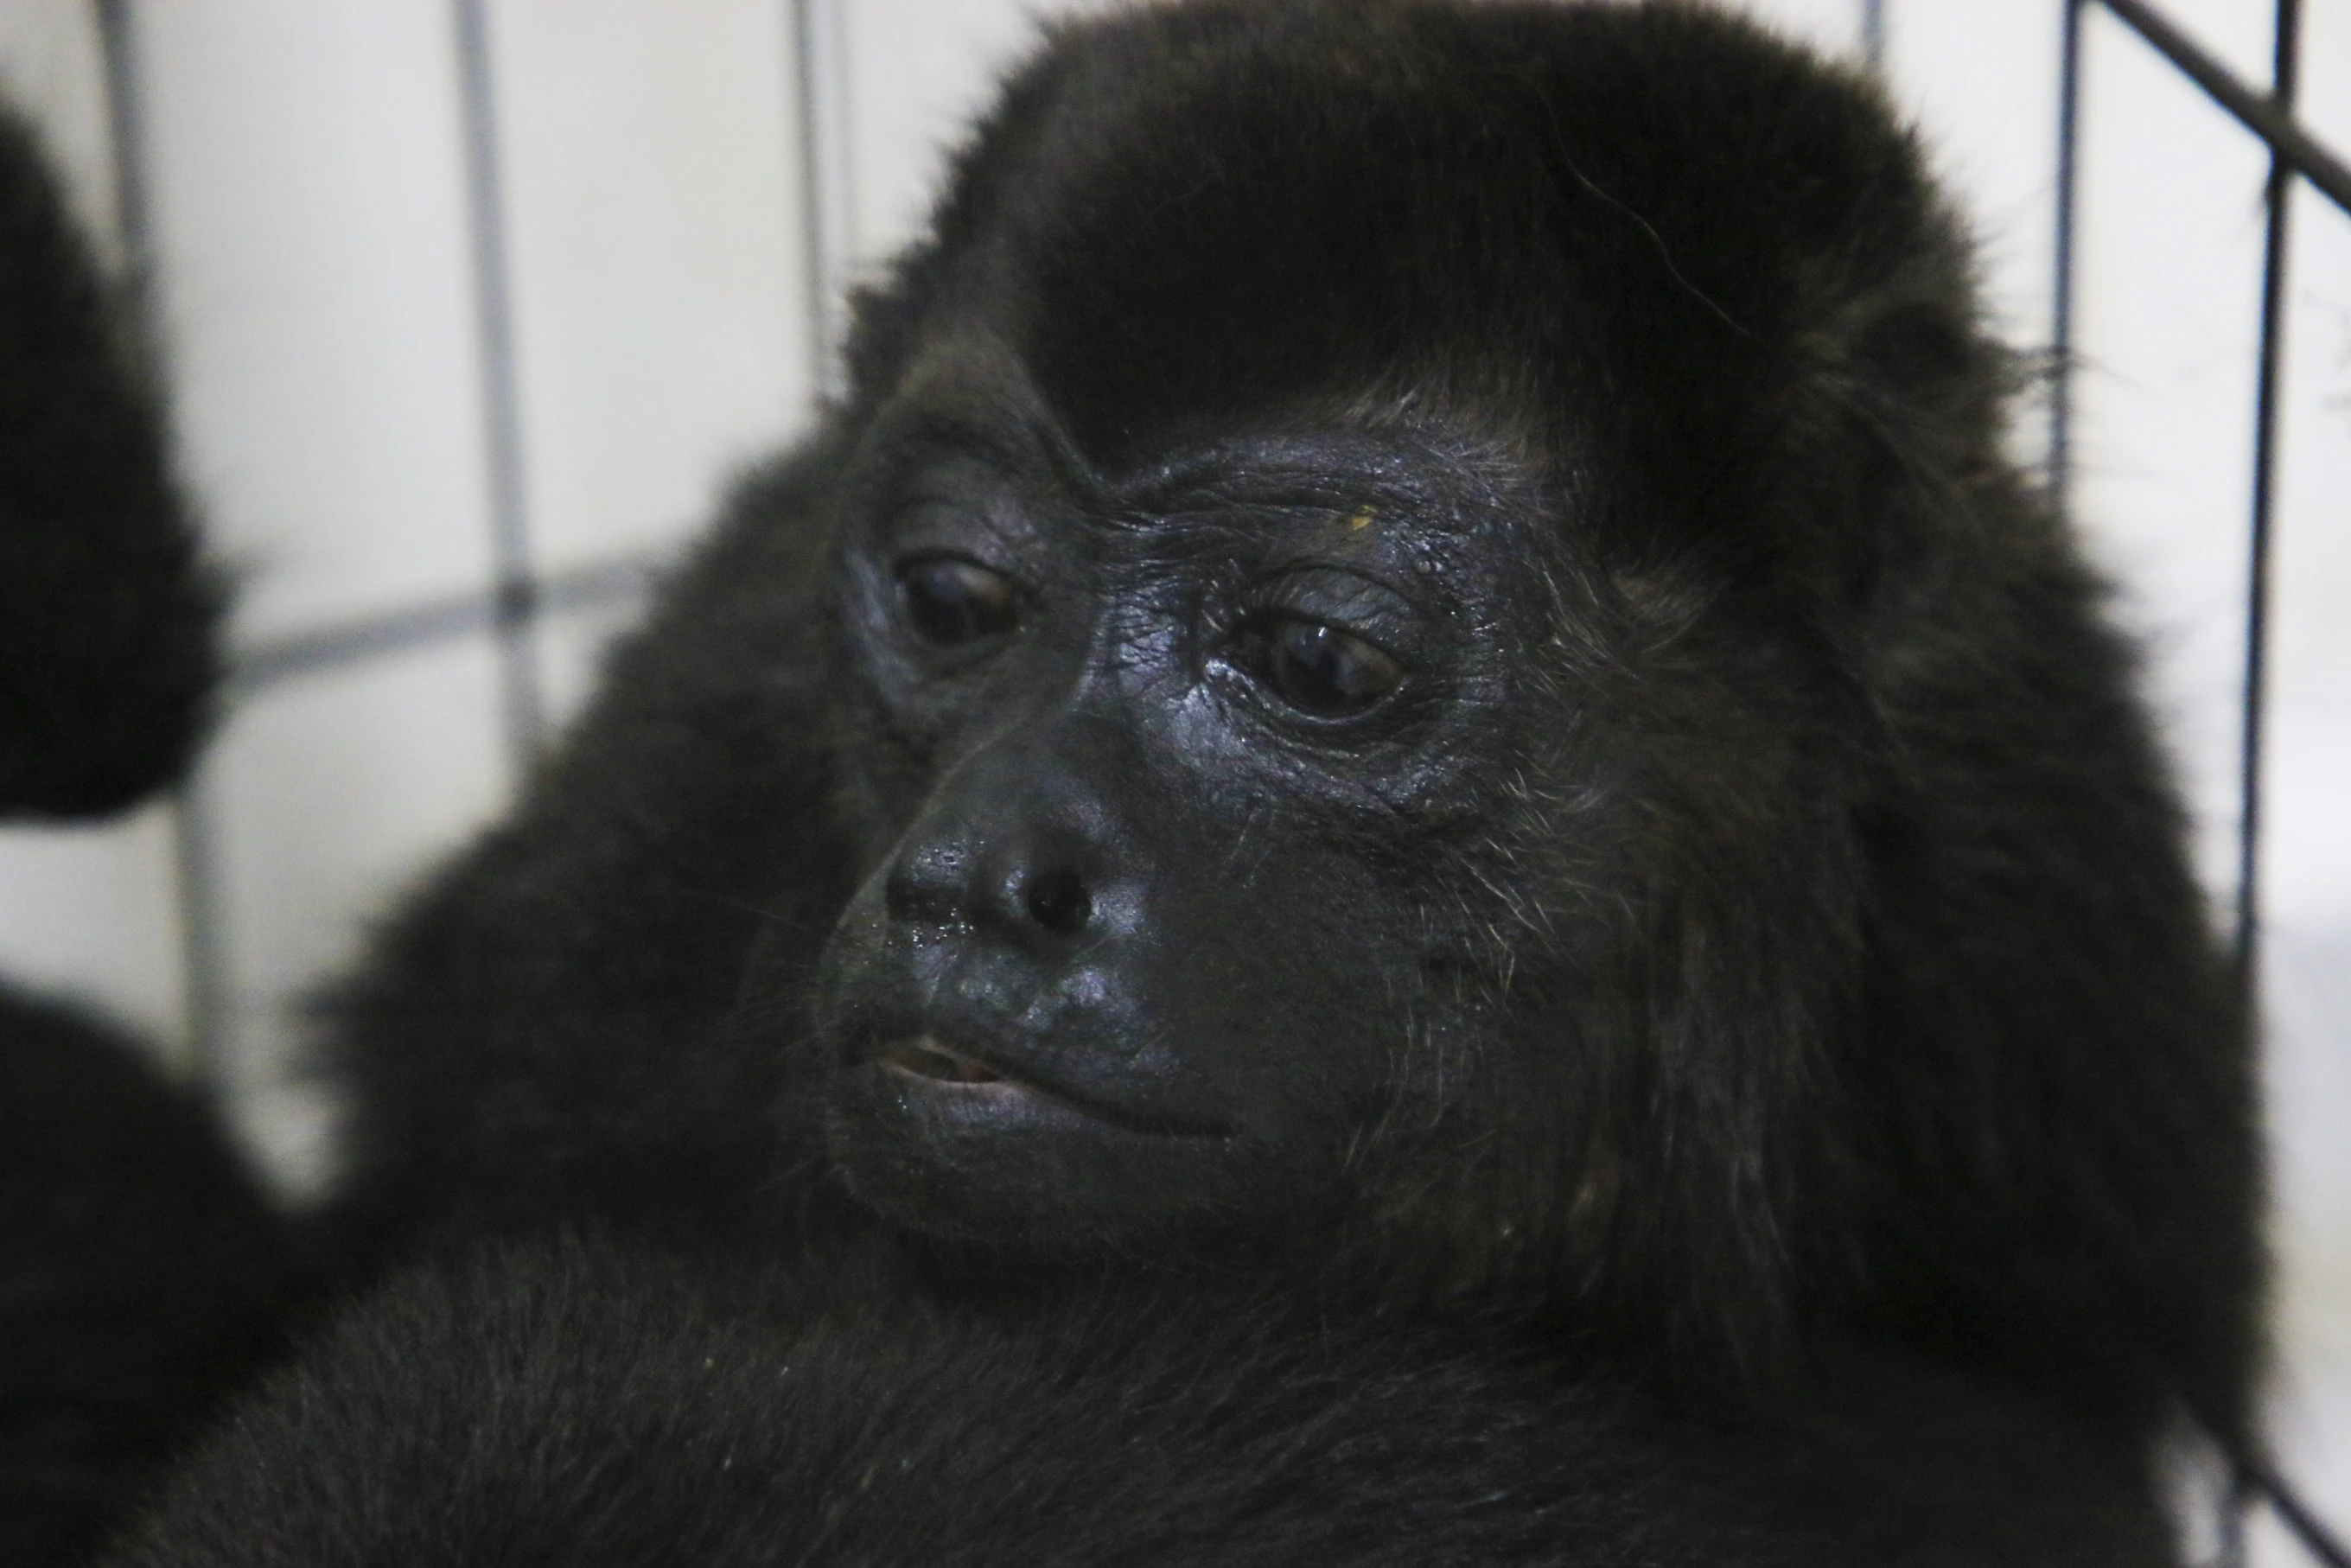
(1314, 667)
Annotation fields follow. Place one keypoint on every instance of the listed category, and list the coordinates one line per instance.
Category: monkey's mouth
(926, 1063)
(924, 1057)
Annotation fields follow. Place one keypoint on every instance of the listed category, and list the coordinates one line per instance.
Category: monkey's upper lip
(924, 1056)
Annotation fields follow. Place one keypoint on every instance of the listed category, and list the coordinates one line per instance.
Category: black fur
(106, 621)
(141, 1271)
(142, 1275)
(571, 1406)
(1800, 949)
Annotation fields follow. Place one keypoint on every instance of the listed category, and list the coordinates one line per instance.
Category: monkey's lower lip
(933, 1071)
(973, 1086)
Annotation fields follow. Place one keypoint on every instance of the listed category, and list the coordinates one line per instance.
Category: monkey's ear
(107, 616)
(1895, 387)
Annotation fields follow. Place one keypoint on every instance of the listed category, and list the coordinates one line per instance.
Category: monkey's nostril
(1058, 902)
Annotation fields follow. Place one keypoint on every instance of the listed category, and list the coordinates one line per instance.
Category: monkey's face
(1346, 706)
(1193, 801)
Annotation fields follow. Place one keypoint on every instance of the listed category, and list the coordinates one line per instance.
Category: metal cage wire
(2295, 156)
(521, 593)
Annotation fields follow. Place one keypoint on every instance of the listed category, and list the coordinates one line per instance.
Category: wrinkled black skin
(569, 1406)
(1758, 923)
(141, 1271)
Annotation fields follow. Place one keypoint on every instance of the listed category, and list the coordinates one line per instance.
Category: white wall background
(315, 293)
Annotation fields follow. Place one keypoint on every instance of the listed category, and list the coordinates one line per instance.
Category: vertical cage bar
(204, 950)
(2236, 1504)
(1872, 34)
(517, 582)
(203, 957)
(126, 131)
(2061, 294)
(819, 61)
(2283, 79)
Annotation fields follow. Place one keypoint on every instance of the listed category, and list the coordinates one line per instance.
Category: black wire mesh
(2296, 155)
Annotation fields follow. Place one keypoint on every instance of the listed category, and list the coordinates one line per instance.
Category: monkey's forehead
(1197, 214)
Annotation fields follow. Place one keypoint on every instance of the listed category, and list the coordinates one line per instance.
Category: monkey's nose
(1058, 901)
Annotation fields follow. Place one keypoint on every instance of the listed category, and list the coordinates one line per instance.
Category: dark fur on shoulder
(1805, 952)
(572, 1407)
(142, 1275)
(106, 648)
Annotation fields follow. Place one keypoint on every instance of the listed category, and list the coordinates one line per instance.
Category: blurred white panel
(2237, 32)
(2306, 997)
(919, 74)
(2308, 876)
(654, 203)
(322, 795)
(1981, 82)
(1831, 26)
(91, 914)
(320, 800)
(311, 241)
(2169, 250)
(2306, 861)
(50, 69)
(2325, 103)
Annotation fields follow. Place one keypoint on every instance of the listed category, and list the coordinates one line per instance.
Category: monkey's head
(1429, 618)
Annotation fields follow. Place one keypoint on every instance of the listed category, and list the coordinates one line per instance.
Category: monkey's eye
(949, 600)
(1315, 668)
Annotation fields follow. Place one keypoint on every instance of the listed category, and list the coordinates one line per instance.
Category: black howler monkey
(1412, 674)
(575, 1404)
(1412, 657)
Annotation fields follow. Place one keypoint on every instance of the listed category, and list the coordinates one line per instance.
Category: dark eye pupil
(1319, 669)
(950, 601)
